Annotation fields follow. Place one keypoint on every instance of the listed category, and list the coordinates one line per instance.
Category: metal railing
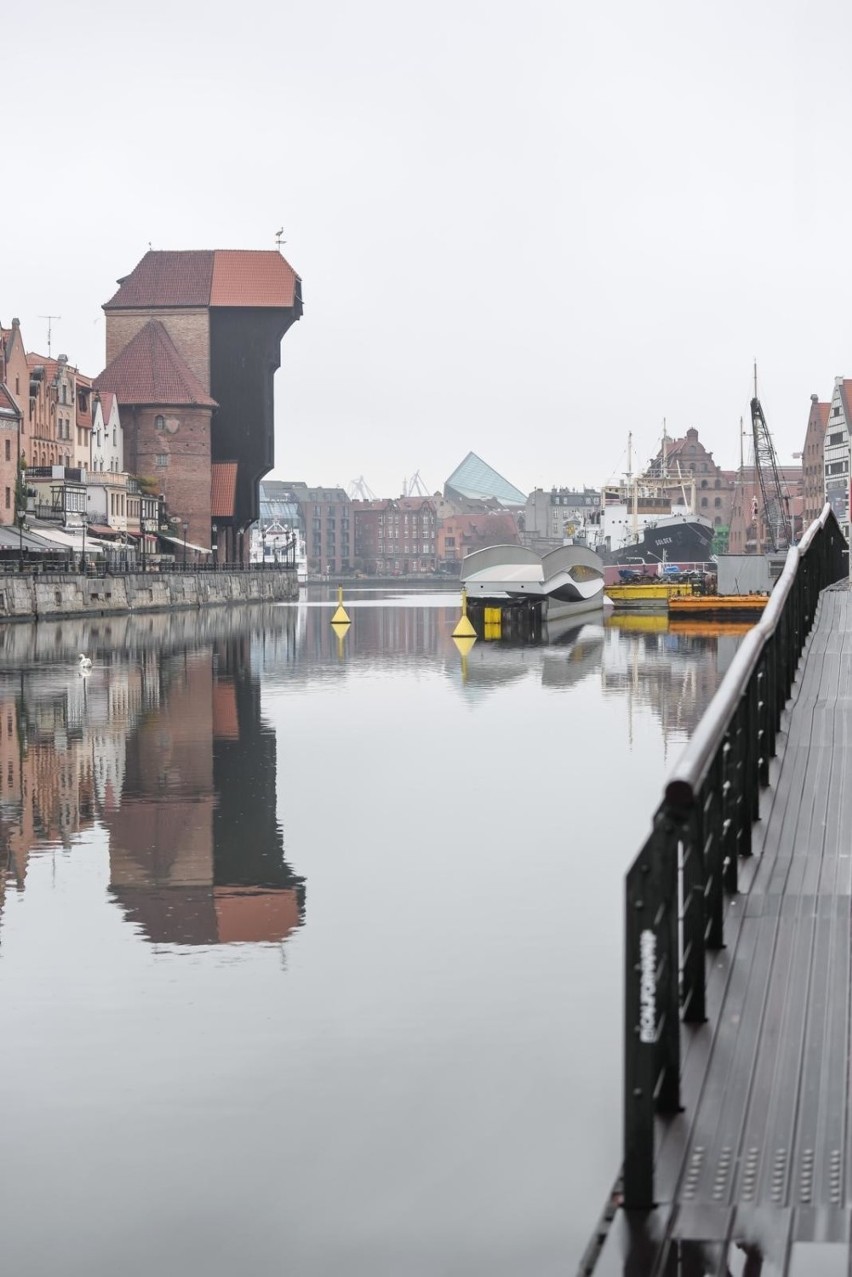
(675, 888)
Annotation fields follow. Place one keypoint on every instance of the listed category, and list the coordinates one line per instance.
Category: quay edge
(49, 596)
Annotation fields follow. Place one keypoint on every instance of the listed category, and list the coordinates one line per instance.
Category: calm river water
(310, 947)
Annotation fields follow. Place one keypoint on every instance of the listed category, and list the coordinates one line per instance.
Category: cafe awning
(199, 549)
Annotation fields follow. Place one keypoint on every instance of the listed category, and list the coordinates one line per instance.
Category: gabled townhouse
(836, 452)
(10, 434)
(107, 446)
(106, 492)
(813, 462)
(83, 422)
(11, 418)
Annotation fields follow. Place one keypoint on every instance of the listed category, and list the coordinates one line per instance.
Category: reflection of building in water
(196, 855)
(420, 632)
(673, 675)
(75, 751)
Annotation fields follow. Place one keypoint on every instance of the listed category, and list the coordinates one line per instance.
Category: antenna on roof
(279, 239)
(50, 319)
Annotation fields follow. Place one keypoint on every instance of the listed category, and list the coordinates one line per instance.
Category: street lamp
(84, 522)
(214, 547)
(143, 529)
(185, 530)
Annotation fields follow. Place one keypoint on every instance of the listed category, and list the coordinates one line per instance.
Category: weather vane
(279, 239)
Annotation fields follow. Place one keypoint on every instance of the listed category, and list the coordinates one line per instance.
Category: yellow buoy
(464, 645)
(340, 616)
(464, 629)
(341, 629)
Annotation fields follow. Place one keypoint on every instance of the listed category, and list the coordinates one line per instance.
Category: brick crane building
(193, 342)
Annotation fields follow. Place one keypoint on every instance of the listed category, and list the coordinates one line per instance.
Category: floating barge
(648, 595)
(718, 606)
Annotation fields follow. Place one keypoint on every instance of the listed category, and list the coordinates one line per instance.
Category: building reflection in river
(166, 750)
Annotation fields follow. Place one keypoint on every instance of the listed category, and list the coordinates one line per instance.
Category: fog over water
(310, 946)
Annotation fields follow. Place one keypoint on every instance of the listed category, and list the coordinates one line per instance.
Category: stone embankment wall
(30, 598)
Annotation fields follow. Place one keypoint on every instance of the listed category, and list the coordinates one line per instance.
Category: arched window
(717, 503)
(159, 423)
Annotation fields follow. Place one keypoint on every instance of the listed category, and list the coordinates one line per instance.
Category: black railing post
(692, 881)
(763, 713)
(714, 857)
(640, 1013)
(664, 870)
(730, 839)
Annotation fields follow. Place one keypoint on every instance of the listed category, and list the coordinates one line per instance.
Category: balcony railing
(70, 473)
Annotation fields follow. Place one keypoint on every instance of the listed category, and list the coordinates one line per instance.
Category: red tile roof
(166, 279)
(150, 371)
(252, 279)
(223, 277)
(223, 489)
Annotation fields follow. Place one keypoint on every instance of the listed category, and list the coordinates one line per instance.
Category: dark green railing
(676, 886)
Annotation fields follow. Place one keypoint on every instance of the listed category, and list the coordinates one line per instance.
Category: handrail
(675, 888)
(691, 767)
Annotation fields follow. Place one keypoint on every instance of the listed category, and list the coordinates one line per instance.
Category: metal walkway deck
(755, 1175)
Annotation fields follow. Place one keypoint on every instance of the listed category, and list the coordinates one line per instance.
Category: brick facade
(189, 329)
(175, 457)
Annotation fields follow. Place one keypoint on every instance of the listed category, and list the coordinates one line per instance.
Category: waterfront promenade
(754, 1174)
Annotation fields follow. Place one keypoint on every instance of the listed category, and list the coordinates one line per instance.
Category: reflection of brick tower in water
(255, 890)
(196, 855)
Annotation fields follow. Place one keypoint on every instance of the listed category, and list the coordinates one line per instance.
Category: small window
(162, 458)
(8, 498)
(717, 503)
(159, 423)
(8, 449)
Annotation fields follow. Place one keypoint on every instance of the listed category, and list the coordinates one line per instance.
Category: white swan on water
(85, 663)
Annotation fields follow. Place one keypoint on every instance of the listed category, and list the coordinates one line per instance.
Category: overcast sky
(522, 229)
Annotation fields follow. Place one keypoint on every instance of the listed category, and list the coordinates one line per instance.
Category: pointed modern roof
(150, 371)
(240, 278)
(107, 398)
(474, 478)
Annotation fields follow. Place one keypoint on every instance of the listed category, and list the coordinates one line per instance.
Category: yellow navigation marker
(464, 629)
(340, 616)
(341, 629)
(464, 645)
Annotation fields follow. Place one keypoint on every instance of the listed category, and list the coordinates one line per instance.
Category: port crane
(776, 503)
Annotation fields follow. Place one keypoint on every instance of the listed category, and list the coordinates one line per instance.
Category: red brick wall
(184, 480)
(188, 329)
(8, 473)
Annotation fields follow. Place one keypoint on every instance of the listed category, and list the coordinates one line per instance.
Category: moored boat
(566, 582)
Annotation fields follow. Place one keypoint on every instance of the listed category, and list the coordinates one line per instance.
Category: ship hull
(678, 541)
